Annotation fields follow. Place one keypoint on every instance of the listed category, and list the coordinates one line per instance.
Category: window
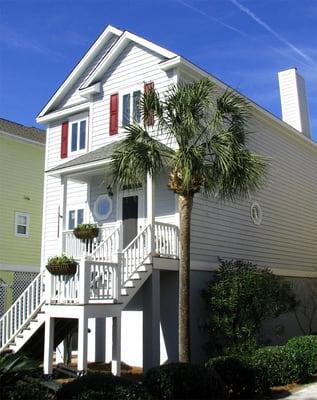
(21, 224)
(131, 108)
(78, 134)
(75, 217)
(256, 213)
(102, 207)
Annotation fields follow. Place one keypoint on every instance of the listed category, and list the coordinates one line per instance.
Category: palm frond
(136, 156)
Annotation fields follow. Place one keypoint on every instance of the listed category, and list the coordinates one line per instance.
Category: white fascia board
(78, 168)
(186, 66)
(98, 72)
(90, 91)
(63, 113)
(91, 53)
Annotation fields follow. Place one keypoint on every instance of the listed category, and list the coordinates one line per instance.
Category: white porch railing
(166, 240)
(76, 248)
(93, 281)
(21, 311)
(134, 255)
(108, 248)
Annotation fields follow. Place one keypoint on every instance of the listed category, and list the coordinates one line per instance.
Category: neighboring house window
(75, 217)
(22, 221)
(131, 107)
(102, 207)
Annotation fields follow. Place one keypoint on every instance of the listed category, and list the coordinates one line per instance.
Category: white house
(125, 289)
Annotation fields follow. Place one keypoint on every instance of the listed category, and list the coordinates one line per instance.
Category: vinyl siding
(73, 97)
(287, 236)
(21, 189)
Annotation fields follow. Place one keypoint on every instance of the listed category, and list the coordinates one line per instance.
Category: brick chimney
(294, 101)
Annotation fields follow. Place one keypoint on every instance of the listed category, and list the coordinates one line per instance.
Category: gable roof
(24, 132)
(80, 67)
(123, 38)
(126, 37)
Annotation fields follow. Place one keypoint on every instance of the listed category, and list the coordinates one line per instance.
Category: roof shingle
(25, 132)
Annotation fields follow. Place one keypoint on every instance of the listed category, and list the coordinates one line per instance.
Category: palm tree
(206, 134)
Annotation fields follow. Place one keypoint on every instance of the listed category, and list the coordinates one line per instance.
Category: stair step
(27, 328)
(12, 344)
(20, 336)
(34, 320)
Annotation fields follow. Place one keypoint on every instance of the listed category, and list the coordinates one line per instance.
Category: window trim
(73, 120)
(96, 214)
(21, 214)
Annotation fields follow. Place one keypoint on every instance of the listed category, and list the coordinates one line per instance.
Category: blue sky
(242, 42)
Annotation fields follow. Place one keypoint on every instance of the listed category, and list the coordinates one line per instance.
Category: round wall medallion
(256, 213)
(102, 207)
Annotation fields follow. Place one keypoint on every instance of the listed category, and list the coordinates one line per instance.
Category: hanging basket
(89, 233)
(62, 269)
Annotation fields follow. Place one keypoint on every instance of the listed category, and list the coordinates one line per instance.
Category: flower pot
(90, 233)
(62, 269)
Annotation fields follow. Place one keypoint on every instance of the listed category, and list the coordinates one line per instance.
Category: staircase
(104, 276)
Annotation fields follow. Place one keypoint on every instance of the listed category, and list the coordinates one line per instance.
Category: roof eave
(91, 53)
(186, 66)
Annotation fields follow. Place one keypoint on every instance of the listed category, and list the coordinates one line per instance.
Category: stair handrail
(22, 310)
(113, 235)
(135, 253)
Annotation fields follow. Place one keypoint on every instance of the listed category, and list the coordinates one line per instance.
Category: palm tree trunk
(185, 209)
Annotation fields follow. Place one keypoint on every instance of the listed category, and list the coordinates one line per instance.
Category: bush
(99, 386)
(178, 381)
(274, 364)
(293, 362)
(303, 352)
(27, 390)
(239, 298)
(238, 378)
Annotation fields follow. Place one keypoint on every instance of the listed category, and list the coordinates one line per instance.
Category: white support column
(82, 342)
(151, 321)
(48, 346)
(150, 207)
(116, 346)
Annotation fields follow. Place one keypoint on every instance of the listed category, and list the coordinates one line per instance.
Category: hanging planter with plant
(86, 231)
(61, 265)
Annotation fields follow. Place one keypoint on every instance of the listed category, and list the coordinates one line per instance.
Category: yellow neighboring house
(22, 152)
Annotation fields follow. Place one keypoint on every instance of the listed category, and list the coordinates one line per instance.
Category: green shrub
(239, 298)
(27, 390)
(274, 364)
(14, 367)
(178, 381)
(303, 353)
(99, 386)
(293, 362)
(238, 378)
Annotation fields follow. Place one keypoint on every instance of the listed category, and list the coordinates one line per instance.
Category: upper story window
(74, 135)
(78, 133)
(130, 108)
(22, 221)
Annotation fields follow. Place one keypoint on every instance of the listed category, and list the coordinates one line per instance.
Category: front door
(129, 219)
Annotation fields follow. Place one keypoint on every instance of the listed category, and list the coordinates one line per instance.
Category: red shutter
(114, 108)
(148, 87)
(64, 140)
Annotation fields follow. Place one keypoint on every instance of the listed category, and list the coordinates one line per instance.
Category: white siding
(132, 68)
(287, 236)
(50, 225)
(73, 96)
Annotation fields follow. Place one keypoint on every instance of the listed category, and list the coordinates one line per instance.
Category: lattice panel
(3, 296)
(21, 281)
